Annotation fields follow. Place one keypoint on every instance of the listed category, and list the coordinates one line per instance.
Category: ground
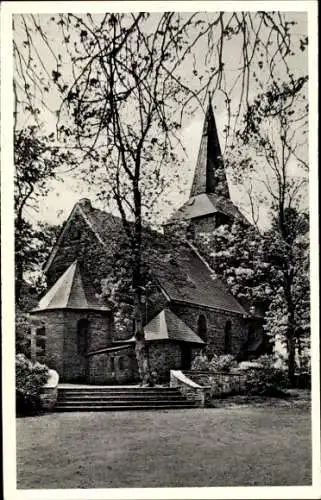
(184, 448)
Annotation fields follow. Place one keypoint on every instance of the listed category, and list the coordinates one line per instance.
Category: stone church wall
(216, 321)
(163, 357)
(112, 367)
(99, 336)
(61, 342)
(54, 322)
(80, 243)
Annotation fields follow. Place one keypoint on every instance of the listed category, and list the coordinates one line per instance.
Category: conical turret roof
(69, 292)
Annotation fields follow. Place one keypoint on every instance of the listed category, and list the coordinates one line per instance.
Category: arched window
(41, 339)
(82, 336)
(227, 337)
(121, 364)
(190, 232)
(251, 333)
(202, 327)
(40, 347)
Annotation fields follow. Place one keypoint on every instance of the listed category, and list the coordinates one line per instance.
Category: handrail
(196, 372)
(108, 349)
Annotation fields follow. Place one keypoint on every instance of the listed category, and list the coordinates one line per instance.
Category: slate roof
(209, 175)
(167, 326)
(188, 280)
(209, 192)
(102, 222)
(69, 292)
(192, 281)
(206, 204)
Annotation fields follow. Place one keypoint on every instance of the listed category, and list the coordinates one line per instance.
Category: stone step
(123, 408)
(117, 394)
(116, 389)
(120, 402)
(128, 397)
(120, 398)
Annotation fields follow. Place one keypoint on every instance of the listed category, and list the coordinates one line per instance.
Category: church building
(188, 312)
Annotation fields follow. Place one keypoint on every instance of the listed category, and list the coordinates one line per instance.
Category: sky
(63, 194)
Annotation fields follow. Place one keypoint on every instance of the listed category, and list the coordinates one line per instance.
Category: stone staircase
(100, 398)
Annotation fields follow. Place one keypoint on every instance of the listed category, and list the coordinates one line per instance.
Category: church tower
(209, 176)
(209, 204)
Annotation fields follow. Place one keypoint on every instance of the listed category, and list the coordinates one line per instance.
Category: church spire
(210, 174)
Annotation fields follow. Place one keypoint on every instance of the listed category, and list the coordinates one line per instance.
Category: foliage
(274, 133)
(265, 379)
(37, 159)
(30, 377)
(236, 254)
(33, 246)
(123, 89)
(268, 271)
(200, 363)
(223, 363)
(69, 56)
(117, 288)
(23, 332)
(24, 322)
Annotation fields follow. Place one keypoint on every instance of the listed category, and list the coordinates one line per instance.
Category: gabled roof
(190, 280)
(167, 326)
(69, 292)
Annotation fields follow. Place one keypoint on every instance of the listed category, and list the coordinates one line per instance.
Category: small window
(227, 337)
(82, 336)
(41, 341)
(202, 327)
(121, 364)
(190, 232)
(112, 364)
(251, 333)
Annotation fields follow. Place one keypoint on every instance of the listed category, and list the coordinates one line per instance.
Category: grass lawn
(184, 448)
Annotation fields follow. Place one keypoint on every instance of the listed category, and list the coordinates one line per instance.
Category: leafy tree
(236, 254)
(275, 128)
(126, 89)
(288, 316)
(117, 287)
(37, 159)
(269, 273)
(33, 245)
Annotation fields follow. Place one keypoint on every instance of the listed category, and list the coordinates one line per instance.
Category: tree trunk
(18, 279)
(141, 349)
(291, 360)
(290, 337)
(18, 259)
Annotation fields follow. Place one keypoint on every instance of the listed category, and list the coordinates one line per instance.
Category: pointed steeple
(210, 174)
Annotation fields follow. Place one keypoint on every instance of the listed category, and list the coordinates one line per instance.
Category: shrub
(30, 377)
(222, 363)
(22, 333)
(264, 379)
(200, 363)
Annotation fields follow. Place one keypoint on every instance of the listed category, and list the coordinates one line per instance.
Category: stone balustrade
(191, 390)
